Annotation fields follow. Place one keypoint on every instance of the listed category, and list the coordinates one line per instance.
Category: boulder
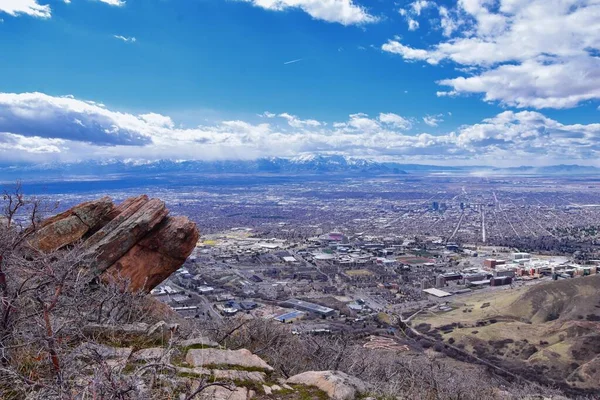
(113, 241)
(136, 329)
(193, 371)
(156, 256)
(338, 385)
(162, 330)
(136, 241)
(221, 393)
(215, 357)
(151, 354)
(117, 217)
(239, 376)
(70, 226)
(198, 341)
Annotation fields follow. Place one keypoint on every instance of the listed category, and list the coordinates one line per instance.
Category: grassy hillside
(546, 332)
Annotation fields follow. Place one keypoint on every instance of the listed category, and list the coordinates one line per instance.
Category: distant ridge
(553, 169)
(316, 164)
(302, 165)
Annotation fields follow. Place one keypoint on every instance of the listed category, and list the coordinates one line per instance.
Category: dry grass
(541, 325)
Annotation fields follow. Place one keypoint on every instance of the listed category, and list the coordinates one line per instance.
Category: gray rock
(194, 371)
(235, 375)
(241, 358)
(221, 393)
(267, 390)
(202, 341)
(151, 354)
(337, 385)
(139, 328)
(162, 330)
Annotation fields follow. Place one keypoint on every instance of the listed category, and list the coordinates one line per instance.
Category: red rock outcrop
(161, 252)
(136, 241)
(71, 225)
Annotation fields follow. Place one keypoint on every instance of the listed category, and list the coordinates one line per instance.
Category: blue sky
(444, 82)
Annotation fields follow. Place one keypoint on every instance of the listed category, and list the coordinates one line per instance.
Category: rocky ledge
(137, 240)
(175, 368)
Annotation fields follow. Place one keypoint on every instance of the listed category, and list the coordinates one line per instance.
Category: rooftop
(437, 292)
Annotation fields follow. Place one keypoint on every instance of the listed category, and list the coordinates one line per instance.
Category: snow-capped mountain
(306, 164)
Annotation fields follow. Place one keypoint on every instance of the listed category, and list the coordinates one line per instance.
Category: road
(207, 305)
(482, 223)
(462, 215)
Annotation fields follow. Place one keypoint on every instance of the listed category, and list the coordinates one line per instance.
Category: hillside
(78, 323)
(549, 332)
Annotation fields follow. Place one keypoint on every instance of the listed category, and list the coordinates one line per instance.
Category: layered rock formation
(136, 241)
(180, 367)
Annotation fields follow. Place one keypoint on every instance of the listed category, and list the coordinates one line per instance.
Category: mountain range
(303, 165)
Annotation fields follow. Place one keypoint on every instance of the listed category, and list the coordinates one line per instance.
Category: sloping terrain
(548, 332)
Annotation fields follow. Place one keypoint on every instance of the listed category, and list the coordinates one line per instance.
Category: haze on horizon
(452, 82)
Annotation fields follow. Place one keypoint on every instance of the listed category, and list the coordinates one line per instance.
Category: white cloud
(35, 126)
(37, 114)
(33, 145)
(126, 39)
(345, 12)
(25, 7)
(116, 3)
(447, 22)
(420, 5)
(432, 120)
(410, 54)
(534, 83)
(525, 53)
(414, 11)
(395, 120)
(158, 120)
(296, 122)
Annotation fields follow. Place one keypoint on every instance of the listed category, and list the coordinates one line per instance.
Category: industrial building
(309, 307)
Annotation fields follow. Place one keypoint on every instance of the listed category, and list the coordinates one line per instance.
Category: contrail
(292, 61)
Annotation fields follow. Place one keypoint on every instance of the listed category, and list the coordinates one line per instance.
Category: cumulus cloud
(345, 12)
(413, 11)
(296, 122)
(36, 145)
(433, 120)
(534, 83)
(33, 8)
(411, 54)
(413, 24)
(25, 7)
(395, 120)
(523, 53)
(420, 5)
(35, 126)
(40, 115)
